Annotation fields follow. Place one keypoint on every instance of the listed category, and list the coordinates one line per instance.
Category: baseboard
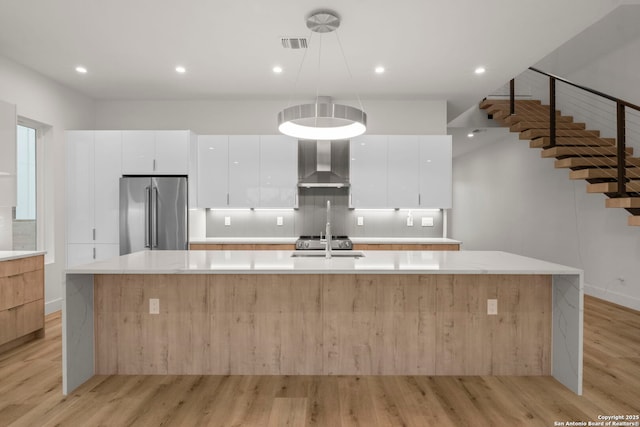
(53, 306)
(614, 297)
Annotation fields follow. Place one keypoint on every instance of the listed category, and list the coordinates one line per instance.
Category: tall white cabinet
(247, 171)
(94, 165)
(8, 125)
(401, 171)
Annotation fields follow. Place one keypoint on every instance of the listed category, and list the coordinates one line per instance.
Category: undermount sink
(321, 254)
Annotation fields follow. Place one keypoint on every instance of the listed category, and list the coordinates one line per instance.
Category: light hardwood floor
(30, 391)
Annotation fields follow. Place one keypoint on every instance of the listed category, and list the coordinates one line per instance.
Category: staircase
(584, 152)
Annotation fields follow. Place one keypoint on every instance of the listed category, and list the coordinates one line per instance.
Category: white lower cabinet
(78, 253)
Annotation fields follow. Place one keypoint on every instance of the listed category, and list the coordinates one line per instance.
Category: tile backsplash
(310, 219)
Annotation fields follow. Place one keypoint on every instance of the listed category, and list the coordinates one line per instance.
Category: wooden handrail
(620, 120)
(593, 91)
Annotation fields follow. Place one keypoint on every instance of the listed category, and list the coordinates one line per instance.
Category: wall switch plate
(154, 306)
(279, 220)
(360, 220)
(492, 307)
(227, 221)
(409, 221)
(427, 221)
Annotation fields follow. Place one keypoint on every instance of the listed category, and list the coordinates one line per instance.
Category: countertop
(9, 255)
(281, 262)
(356, 240)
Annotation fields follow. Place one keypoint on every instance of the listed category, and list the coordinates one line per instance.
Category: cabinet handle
(419, 200)
(94, 234)
(94, 253)
(227, 199)
(154, 165)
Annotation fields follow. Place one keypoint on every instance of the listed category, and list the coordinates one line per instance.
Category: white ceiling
(229, 47)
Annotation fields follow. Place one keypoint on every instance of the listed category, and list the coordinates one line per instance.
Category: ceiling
(229, 47)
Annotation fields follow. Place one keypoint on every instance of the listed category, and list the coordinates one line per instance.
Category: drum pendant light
(323, 120)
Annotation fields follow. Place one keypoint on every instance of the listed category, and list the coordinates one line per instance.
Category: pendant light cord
(346, 63)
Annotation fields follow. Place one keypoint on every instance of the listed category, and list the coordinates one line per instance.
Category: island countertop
(355, 240)
(281, 262)
(11, 255)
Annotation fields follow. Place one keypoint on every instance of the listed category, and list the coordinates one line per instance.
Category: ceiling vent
(294, 42)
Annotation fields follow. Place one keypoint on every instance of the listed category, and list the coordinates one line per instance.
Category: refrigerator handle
(154, 219)
(147, 200)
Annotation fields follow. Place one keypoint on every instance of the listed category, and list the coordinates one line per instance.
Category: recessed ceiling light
(470, 135)
(379, 69)
(180, 69)
(277, 69)
(480, 70)
(80, 69)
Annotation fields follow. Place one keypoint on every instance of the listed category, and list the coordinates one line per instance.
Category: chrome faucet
(327, 250)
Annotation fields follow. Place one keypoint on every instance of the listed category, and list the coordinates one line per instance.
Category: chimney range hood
(323, 164)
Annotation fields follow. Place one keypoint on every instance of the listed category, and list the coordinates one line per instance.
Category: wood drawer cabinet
(406, 247)
(241, 247)
(21, 300)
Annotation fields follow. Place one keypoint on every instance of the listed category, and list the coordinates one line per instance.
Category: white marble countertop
(281, 262)
(292, 240)
(9, 255)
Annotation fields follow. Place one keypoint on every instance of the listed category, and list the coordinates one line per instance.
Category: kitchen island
(268, 313)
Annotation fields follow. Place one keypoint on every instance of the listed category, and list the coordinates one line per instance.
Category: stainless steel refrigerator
(153, 213)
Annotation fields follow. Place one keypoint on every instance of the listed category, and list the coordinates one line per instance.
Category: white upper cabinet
(172, 152)
(435, 171)
(401, 171)
(92, 185)
(368, 171)
(403, 163)
(244, 171)
(278, 171)
(155, 152)
(213, 171)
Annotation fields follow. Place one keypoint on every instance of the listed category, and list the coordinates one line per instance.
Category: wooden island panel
(330, 324)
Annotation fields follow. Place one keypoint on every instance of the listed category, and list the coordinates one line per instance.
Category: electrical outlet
(409, 221)
(227, 221)
(427, 221)
(492, 307)
(154, 306)
(279, 221)
(360, 220)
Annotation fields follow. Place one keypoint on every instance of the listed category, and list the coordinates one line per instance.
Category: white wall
(507, 198)
(260, 116)
(40, 99)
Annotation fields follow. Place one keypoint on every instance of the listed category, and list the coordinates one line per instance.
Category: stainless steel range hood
(323, 164)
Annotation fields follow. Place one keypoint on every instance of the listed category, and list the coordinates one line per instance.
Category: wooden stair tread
(623, 202)
(578, 162)
(632, 172)
(612, 187)
(522, 126)
(573, 141)
(486, 103)
(517, 118)
(537, 133)
(634, 220)
(581, 151)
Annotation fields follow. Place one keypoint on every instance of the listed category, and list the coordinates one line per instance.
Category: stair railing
(621, 125)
